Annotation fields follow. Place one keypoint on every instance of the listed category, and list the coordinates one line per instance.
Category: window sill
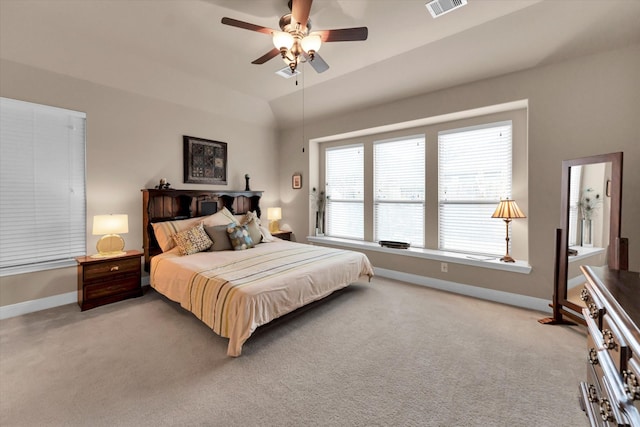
(522, 267)
(32, 268)
(584, 252)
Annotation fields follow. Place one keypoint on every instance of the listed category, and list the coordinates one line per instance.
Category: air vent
(440, 7)
(286, 73)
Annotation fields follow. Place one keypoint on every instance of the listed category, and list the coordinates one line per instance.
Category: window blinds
(474, 173)
(42, 183)
(399, 190)
(345, 192)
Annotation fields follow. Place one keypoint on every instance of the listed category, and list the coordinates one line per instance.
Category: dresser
(610, 396)
(105, 280)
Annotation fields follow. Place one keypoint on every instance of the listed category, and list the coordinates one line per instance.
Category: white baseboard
(517, 300)
(13, 310)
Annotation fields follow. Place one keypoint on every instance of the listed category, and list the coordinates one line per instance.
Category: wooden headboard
(169, 205)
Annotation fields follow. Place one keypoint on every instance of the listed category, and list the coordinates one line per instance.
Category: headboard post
(170, 205)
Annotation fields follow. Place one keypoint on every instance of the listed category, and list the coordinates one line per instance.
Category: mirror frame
(562, 244)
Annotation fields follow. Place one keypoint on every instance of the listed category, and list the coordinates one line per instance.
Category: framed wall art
(205, 161)
(296, 181)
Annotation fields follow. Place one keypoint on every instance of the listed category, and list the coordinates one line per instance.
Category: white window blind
(574, 201)
(42, 184)
(345, 192)
(399, 190)
(474, 173)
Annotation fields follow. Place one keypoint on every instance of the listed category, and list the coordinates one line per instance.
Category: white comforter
(234, 292)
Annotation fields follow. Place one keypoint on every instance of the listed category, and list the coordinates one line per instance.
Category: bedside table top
(88, 259)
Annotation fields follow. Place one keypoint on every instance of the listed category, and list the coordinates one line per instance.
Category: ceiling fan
(295, 42)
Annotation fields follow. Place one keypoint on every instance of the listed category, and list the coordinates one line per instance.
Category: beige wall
(578, 108)
(133, 141)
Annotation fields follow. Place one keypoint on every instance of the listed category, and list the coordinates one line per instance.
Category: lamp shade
(311, 43)
(282, 40)
(110, 224)
(274, 214)
(508, 209)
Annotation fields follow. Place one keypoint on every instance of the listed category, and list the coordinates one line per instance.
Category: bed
(235, 291)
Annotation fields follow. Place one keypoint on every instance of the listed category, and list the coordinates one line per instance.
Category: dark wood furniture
(171, 205)
(284, 235)
(610, 396)
(564, 310)
(105, 280)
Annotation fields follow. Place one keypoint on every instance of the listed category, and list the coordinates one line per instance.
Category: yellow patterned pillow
(165, 230)
(192, 240)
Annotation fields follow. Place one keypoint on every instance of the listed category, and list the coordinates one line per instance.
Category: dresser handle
(631, 385)
(592, 394)
(584, 294)
(605, 410)
(593, 356)
(115, 268)
(593, 311)
(609, 341)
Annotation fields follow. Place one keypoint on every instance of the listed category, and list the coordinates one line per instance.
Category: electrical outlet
(444, 267)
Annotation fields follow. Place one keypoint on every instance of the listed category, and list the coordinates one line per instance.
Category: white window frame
(43, 200)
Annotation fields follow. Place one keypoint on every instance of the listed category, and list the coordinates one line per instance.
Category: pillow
(192, 240)
(218, 233)
(164, 230)
(266, 235)
(239, 237)
(222, 217)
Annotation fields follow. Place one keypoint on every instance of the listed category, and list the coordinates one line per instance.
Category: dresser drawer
(631, 381)
(594, 307)
(615, 344)
(99, 290)
(109, 269)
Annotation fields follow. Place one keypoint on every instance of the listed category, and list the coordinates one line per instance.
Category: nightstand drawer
(100, 290)
(111, 268)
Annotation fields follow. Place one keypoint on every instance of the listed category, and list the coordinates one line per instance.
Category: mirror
(591, 205)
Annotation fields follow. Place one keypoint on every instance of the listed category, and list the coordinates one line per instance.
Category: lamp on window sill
(110, 226)
(508, 210)
(274, 215)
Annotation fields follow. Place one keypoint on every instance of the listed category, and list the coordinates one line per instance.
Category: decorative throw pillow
(166, 229)
(222, 217)
(253, 225)
(220, 237)
(192, 240)
(239, 237)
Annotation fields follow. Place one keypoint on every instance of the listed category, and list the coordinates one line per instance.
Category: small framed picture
(296, 181)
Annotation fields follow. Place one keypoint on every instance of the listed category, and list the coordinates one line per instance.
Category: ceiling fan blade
(317, 63)
(267, 56)
(344, 34)
(246, 26)
(300, 10)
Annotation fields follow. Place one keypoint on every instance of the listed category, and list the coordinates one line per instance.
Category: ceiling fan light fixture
(311, 44)
(282, 40)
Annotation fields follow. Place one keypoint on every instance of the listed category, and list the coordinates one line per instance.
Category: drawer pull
(114, 268)
(592, 394)
(593, 356)
(609, 341)
(631, 385)
(593, 310)
(605, 410)
(584, 294)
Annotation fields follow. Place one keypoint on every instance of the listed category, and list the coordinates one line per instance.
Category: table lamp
(109, 226)
(274, 215)
(508, 210)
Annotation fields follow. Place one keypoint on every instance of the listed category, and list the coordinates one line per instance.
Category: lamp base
(108, 246)
(274, 226)
(507, 258)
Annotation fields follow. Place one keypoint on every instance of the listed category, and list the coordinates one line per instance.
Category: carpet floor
(384, 353)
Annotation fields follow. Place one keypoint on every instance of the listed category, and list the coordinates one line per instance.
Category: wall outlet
(444, 267)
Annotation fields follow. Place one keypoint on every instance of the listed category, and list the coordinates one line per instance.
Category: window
(345, 192)
(399, 189)
(474, 173)
(574, 203)
(42, 184)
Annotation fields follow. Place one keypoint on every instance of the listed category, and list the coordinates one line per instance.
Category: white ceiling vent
(286, 73)
(440, 7)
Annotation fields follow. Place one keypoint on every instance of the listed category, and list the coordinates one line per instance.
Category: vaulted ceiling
(178, 50)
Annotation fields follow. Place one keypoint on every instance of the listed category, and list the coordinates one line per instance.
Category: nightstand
(105, 280)
(284, 235)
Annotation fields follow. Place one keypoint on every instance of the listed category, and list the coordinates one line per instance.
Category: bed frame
(171, 205)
